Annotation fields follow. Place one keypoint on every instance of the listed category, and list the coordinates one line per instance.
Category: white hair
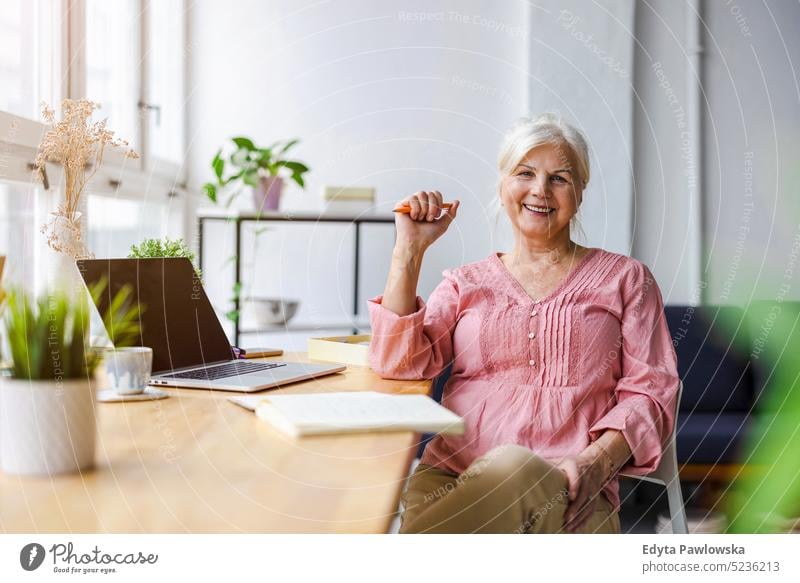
(547, 128)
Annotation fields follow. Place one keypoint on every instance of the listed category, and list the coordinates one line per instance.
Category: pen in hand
(405, 208)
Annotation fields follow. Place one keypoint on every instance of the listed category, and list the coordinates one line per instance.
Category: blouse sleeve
(646, 393)
(418, 345)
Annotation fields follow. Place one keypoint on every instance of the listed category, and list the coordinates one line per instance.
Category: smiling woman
(562, 363)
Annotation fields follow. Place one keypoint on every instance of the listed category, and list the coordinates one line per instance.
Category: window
(30, 34)
(17, 226)
(117, 223)
(135, 69)
(164, 105)
(112, 64)
(30, 65)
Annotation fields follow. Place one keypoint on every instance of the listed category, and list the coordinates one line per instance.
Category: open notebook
(352, 412)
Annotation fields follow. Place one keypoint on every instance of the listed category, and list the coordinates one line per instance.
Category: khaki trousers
(508, 490)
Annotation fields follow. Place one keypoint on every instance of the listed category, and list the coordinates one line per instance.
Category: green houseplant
(47, 405)
(166, 247)
(261, 168)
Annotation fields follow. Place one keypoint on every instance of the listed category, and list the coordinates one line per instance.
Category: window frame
(153, 164)
(20, 136)
(19, 143)
(118, 176)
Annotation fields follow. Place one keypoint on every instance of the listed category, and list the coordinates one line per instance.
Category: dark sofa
(713, 346)
(726, 358)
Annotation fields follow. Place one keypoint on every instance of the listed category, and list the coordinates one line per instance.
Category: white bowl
(269, 312)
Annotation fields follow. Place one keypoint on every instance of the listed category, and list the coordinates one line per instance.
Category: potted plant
(166, 247)
(47, 405)
(261, 168)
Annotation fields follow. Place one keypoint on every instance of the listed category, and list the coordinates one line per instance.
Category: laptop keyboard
(222, 371)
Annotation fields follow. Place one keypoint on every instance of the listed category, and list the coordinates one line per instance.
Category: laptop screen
(177, 320)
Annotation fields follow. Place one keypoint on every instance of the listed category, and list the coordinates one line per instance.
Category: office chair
(667, 475)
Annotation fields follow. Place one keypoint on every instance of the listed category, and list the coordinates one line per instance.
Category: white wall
(401, 96)
(662, 171)
(752, 223)
(751, 143)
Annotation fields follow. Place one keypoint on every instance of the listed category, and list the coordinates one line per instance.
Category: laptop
(190, 348)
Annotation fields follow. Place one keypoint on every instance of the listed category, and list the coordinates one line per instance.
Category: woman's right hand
(419, 229)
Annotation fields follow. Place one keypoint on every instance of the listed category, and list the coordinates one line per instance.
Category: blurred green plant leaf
(218, 165)
(210, 191)
(245, 143)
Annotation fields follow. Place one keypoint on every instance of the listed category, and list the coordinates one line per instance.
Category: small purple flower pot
(267, 194)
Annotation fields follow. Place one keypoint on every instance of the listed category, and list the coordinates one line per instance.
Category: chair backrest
(439, 382)
(437, 390)
(667, 469)
(667, 475)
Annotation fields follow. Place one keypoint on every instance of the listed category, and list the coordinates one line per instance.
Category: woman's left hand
(586, 474)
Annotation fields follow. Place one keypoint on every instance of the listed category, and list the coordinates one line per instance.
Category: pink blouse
(551, 375)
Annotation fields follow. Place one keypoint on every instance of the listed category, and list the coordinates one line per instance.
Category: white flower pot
(47, 427)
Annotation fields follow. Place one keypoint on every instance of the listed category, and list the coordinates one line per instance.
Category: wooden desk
(197, 463)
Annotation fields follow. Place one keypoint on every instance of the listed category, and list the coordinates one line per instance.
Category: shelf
(305, 216)
(241, 216)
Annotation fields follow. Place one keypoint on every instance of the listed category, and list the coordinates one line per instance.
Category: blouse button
(531, 335)
(531, 362)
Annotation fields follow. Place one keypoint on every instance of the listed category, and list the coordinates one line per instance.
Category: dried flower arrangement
(77, 144)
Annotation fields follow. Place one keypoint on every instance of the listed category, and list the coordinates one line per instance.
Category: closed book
(341, 193)
(356, 412)
(344, 349)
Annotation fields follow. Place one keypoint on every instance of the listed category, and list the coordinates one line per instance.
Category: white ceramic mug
(128, 369)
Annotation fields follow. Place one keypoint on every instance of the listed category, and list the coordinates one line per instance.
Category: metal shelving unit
(239, 217)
